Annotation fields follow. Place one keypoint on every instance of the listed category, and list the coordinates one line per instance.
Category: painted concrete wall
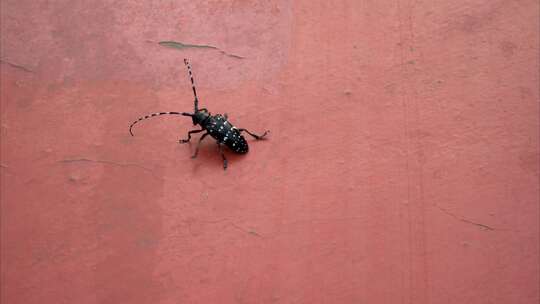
(402, 166)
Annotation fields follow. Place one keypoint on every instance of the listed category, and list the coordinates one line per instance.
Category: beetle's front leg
(183, 141)
(198, 145)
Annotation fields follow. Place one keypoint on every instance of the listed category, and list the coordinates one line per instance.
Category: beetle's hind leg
(257, 137)
(220, 146)
(183, 141)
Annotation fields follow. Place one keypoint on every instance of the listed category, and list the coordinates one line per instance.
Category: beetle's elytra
(217, 126)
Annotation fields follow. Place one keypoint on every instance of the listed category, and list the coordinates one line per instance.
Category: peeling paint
(180, 46)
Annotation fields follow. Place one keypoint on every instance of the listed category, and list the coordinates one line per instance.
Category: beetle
(217, 126)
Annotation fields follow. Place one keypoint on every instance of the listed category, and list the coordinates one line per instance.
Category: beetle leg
(226, 116)
(223, 156)
(183, 141)
(198, 145)
(257, 137)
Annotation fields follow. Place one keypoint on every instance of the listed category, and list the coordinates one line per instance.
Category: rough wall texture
(402, 165)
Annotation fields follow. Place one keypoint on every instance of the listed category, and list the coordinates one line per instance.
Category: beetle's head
(200, 116)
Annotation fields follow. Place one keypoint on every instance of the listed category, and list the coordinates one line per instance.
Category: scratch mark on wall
(462, 219)
(17, 66)
(109, 162)
(252, 232)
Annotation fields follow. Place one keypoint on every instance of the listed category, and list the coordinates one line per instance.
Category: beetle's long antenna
(186, 62)
(157, 114)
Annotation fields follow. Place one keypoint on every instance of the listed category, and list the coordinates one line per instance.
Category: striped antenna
(157, 114)
(192, 84)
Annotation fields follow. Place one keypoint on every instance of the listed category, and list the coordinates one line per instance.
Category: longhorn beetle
(218, 126)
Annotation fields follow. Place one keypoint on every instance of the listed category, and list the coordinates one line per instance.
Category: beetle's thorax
(200, 117)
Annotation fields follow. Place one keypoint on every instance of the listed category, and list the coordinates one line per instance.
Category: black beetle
(217, 126)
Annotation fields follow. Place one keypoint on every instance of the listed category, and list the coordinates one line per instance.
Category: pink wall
(402, 165)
